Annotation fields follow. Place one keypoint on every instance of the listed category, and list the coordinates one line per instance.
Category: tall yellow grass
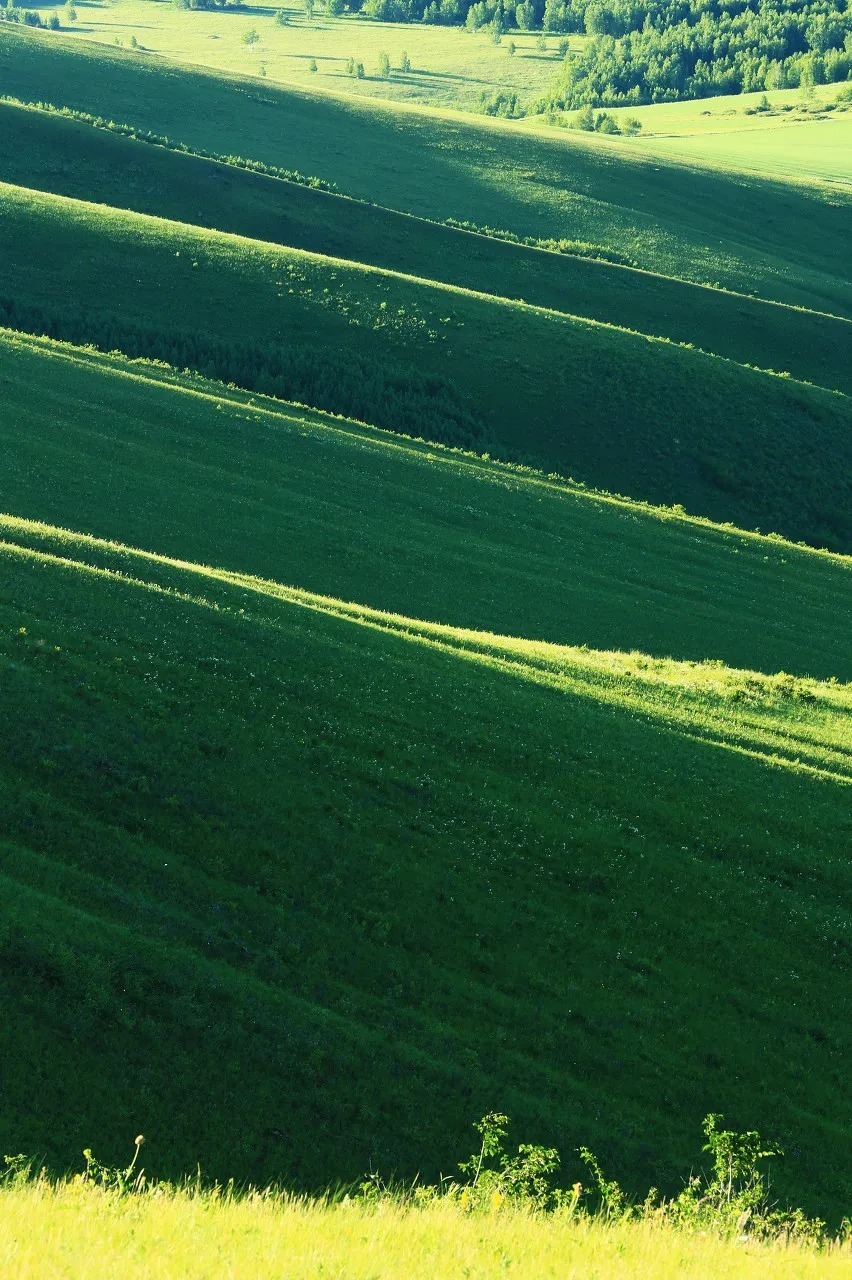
(66, 1230)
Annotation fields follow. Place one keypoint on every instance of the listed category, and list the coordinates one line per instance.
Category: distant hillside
(614, 409)
(117, 170)
(778, 240)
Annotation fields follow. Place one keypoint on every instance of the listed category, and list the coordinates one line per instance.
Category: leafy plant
(494, 1175)
(111, 1178)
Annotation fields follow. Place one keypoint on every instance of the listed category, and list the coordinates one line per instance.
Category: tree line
(645, 51)
(668, 50)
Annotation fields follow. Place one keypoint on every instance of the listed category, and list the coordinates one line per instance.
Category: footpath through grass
(71, 1232)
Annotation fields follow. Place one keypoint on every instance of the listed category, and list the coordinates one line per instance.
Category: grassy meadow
(400, 525)
(611, 408)
(450, 67)
(113, 169)
(819, 148)
(780, 133)
(222, 754)
(679, 220)
(425, 615)
(66, 1231)
(446, 818)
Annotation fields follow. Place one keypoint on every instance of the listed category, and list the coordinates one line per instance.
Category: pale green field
(803, 149)
(449, 66)
(71, 1231)
(795, 139)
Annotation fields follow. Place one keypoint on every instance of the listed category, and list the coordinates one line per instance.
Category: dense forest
(644, 51)
(672, 49)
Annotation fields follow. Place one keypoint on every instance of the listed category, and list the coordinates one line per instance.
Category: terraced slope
(51, 153)
(612, 408)
(298, 886)
(780, 240)
(130, 453)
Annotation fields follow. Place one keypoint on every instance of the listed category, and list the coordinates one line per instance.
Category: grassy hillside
(779, 240)
(66, 1230)
(125, 452)
(36, 149)
(355, 783)
(449, 66)
(611, 408)
(303, 865)
(801, 149)
(797, 136)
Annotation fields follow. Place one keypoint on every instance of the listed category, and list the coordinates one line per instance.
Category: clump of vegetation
(575, 248)
(604, 122)
(501, 102)
(731, 1198)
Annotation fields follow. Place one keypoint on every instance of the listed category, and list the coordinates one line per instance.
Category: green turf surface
(634, 415)
(350, 512)
(36, 149)
(779, 240)
(296, 886)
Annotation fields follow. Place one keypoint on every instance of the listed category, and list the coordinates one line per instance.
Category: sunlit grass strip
(66, 1230)
(789, 722)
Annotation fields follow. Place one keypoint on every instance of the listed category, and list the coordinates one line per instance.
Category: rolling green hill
(780, 240)
(49, 152)
(130, 453)
(356, 783)
(612, 408)
(298, 886)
